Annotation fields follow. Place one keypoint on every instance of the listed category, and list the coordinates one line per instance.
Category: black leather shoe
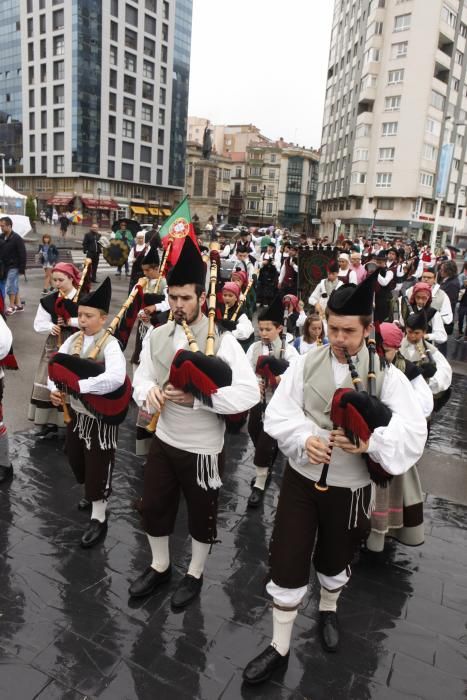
(96, 531)
(84, 504)
(256, 497)
(149, 580)
(329, 630)
(188, 589)
(6, 473)
(47, 431)
(264, 665)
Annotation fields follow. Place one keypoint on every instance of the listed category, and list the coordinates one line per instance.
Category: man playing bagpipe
(191, 391)
(99, 396)
(269, 358)
(336, 440)
(434, 367)
(234, 318)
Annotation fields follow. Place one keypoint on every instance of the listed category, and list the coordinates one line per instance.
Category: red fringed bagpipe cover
(9, 361)
(199, 374)
(123, 331)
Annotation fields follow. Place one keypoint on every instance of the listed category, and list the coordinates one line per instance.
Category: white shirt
(6, 339)
(315, 296)
(423, 394)
(282, 272)
(397, 446)
(111, 379)
(199, 429)
(352, 275)
(438, 332)
(43, 320)
(443, 378)
(384, 281)
(244, 328)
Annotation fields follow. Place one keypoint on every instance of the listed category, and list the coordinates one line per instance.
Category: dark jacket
(13, 252)
(451, 286)
(91, 243)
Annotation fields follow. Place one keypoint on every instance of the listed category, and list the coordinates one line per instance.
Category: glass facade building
(11, 110)
(180, 87)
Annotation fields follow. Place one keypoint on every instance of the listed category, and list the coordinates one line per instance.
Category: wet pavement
(68, 631)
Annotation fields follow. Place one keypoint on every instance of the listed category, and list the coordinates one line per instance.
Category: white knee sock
(160, 552)
(328, 600)
(375, 541)
(261, 476)
(98, 510)
(199, 554)
(282, 629)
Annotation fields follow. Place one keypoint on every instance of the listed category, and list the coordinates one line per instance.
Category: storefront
(101, 210)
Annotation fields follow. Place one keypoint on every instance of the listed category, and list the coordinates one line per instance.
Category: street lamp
(460, 191)
(2, 156)
(373, 228)
(263, 195)
(99, 190)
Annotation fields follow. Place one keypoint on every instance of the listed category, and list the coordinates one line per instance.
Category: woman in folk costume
(269, 358)
(56, 316)
(326, 495)
(186, 453)
(398, 509)
(91, 441)
(314, 335)
(135, 258)
(6, 339)
(233, 317)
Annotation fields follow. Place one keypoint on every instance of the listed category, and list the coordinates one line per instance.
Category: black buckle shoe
(188, 589)
(95, 532)
(329, 630)
(264, 665)
(149, 580)
(6, 473)
(47, 431)
(84, 504)
(256, 497)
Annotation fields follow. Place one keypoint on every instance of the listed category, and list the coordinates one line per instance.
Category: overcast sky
(261, 61)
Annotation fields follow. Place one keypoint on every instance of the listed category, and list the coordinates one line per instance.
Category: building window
(148, 91)
(362, 130)
(272, 174)
(463, 30)
(146, 133)
(166, 9)
(165, 32)
(127, 171)
(31, 98)
(113, 56)
(357, 178)
(164, 53)
(59, 45)
(160, 157)
(32, 143)
(402, 22)
(368, 81)
(433, 126)
(426, 179)
(59, 70)
(59, 164)
(43, 166)
(448, 16)
(459, 57)
(59, 117)
(252, 205)
(146, 113)
(429, 152)
(131, 39)
(113, 79)
(371, 56)
(273, 158)
(44, 123)
(114, 8)
(161, 117)
(58, 19)
(43, 49)
(160, 137)
(129, 84)
(400, 49)
(59, 94)
(438, 100)
(59, 141)
(163, 74)
(268, 207)
(149, 25)
(144, 174)
(128, 129)
(111, 147)
(112, 124)
(31, 52)
(384, 203)
(151, 5)
(386, 153)
(43, 69)
(145, 154)
(360, 154)
(198, 183)
(429, 207)
(110, 168)
(128, 150)
(383, 179)
(42, 24)
(114, 31)
(112, 101)
(130, 62)
(396, 76)
(148, 69)
(32, 165)
(149, 47)
(392, 103)
(128, 107)
(131, 15)
(389, 129)
(162, 95)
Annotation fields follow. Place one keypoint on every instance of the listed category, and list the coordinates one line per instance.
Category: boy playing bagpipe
(269, 358)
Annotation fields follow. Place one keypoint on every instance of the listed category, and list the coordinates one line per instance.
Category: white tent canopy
(11, 202)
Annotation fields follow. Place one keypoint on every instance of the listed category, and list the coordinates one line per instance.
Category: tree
(31, 208)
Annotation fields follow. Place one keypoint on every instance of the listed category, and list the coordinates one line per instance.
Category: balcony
(441, 72)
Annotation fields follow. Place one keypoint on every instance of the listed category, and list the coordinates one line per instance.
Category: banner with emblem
(312, 267)
(174, 231)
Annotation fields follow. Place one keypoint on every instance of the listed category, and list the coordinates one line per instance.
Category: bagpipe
(192, 371)
(359, 413)
(67, 370)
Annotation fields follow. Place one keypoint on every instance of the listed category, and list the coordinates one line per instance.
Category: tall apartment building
(396, 92)
(104, 100)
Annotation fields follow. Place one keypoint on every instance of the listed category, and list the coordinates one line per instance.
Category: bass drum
(116, 253)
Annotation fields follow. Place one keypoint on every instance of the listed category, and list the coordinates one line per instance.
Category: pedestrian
(327, 521)
(462, 311)
(138, 250)
(450, 283)
(54, 217)
(47, 255)
(91, 442)
(122, 234)
(6, 339)
(56, 317)
(92, 249)
(12, 264)
(64, 223)
(187, 450)
(314, 335)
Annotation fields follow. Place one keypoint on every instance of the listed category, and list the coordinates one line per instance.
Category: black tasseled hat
(189, 268)
(274, 312)
(353, 299)
(100, 297)
(417, 321)
(151, 257)
(381, 254)
(333, 266)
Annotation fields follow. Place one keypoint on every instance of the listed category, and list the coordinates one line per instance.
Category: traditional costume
(322, 522)
(235, 320)
(398, 510)
(6, 339)
(51, 308)
(187, 450)
(436, 331)
(98, 402)
(325, 288)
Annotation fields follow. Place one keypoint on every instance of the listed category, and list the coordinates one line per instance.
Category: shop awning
(154, 211)
(60, 200)
(138, 210)
(166, 212)
(99, 203)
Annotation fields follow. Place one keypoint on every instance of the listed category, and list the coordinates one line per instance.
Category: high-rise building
(396, 92)
(104, 100)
